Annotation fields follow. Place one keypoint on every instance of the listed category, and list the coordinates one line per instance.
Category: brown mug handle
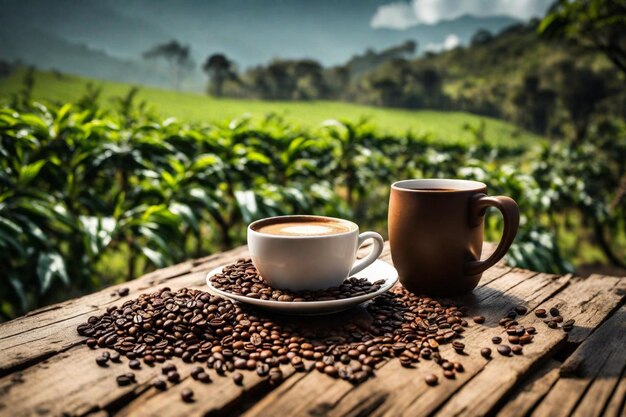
(510, 213)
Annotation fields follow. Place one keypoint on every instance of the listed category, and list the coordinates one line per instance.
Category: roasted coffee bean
(115, 357)
(553, 324)
(102, 361)
(331, 371)
(458, 366)
(167, 368)
(531, 330)
(521, 310)
(262, 369)
(554, 311)
(240, 363)
(517, 350)
(569, 322)
(238, 378)
(479, 319)
(449, 374)
(148, 359)
(173, 376)
(514, 339)
(186, 395)
(485, 352)
(159, 384)
(496, 340)
(540, 312)
(431, 379)
(92, 343)
(526, 339)
(125, 379)
(405, 361)
(558, 319)
(196, 371)
(458, 346)
(276, 376)
(504, 350)
(122, 292)
(203, 377)
(448, 366)
(134, 364)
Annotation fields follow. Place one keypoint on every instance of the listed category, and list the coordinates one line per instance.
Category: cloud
(402, 15)
(394, 16)
(451, 42)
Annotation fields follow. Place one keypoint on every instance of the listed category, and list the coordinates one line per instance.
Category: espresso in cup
(436, 233)
(300, 253)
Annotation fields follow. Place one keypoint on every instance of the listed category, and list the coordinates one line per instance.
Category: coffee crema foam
(311, 228)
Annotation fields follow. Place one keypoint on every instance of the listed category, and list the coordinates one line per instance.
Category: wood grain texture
(528, 394)
(591, 375)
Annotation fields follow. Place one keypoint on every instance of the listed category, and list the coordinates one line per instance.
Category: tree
(535, 104)
(219, 69)
(599, 24)
(481, 37)
(177, 56)
(580, 90)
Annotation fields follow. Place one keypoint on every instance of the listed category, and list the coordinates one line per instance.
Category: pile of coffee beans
(242, 278)
(196, 326)
(230, 338)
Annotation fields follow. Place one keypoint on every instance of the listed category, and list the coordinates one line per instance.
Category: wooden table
(46, 369)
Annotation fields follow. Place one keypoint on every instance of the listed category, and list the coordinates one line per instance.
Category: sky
(403, 15)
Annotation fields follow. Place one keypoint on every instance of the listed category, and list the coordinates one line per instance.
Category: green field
(444, 126)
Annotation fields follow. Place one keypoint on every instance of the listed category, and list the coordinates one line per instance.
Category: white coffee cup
(311, 261)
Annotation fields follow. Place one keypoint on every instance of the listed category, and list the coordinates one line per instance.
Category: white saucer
(377, 270)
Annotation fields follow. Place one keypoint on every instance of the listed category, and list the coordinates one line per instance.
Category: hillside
(503, 60)
(444, 126)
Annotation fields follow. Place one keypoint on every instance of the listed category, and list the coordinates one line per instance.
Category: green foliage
(78, 183)
(598, 24)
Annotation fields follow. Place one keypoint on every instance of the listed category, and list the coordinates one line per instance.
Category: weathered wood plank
(588, 301)
(591, 374)
(526, 397)
(616, 406)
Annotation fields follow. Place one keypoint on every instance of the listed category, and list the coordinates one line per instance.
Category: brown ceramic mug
(436, 233)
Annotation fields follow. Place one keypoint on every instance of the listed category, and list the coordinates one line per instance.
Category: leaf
(7, 240)
(63, 111)
(155, 238)
(186, 213)
(169, 179)
(30, 171)
(248, 207)
(18, 287)
(258, 157)
(155, 257)
(49, 266)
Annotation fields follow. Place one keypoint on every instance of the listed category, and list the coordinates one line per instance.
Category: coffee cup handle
(379, 243)
(510, 213)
